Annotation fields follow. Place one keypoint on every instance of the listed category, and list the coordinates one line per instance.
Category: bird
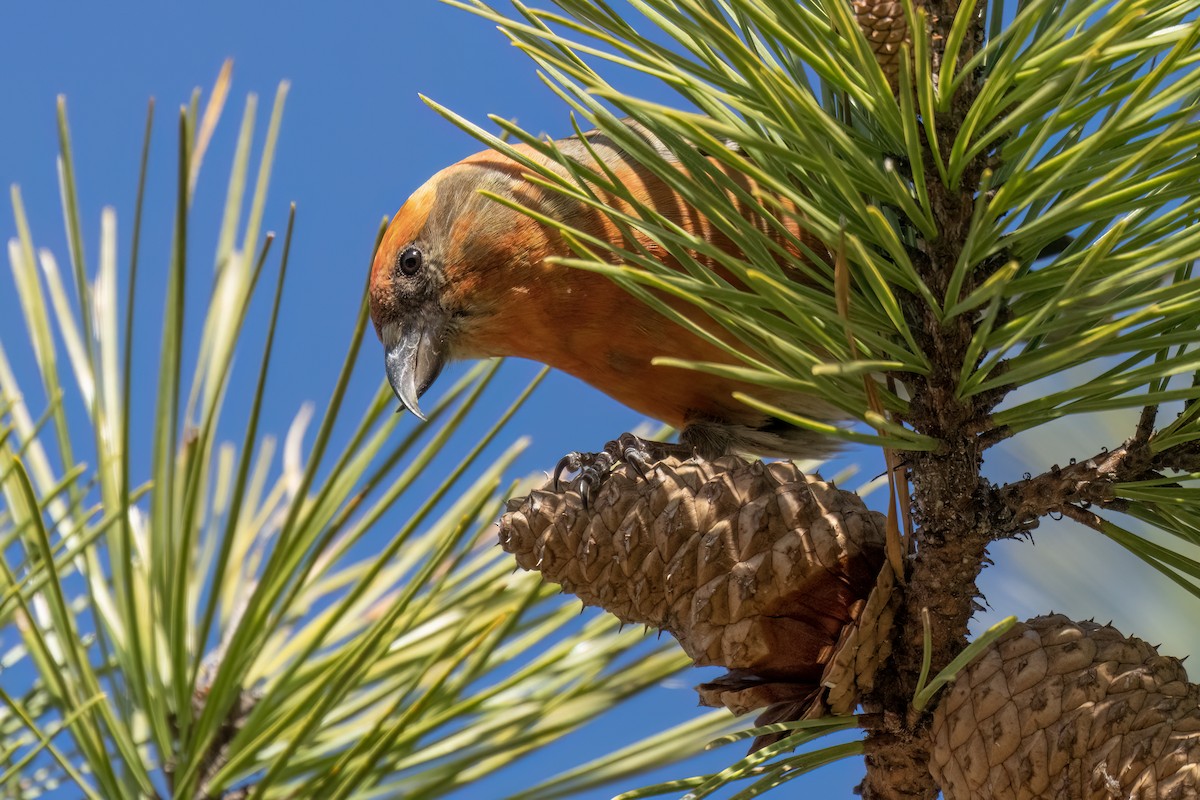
(459, 275)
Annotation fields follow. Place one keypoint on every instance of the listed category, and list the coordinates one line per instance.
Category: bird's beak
(414, 353)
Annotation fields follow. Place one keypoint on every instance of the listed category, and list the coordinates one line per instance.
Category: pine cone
(884, 25)
(754, 567)
(1062, 709)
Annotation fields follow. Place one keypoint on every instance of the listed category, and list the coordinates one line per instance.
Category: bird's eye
(410, 261)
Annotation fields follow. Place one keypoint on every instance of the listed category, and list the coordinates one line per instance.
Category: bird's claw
(571, 462)
(591, 468)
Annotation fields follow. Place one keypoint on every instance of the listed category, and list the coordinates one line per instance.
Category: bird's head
(448, 266)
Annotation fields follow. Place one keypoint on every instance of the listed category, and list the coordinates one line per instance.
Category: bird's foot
(591, 468)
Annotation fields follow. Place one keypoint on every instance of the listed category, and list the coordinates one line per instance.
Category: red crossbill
(459, 275)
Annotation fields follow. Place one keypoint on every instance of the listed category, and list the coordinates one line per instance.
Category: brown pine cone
(1062, 709)
(884, 25)
(754, 567)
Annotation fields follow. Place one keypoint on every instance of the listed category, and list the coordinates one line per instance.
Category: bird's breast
(608, 339)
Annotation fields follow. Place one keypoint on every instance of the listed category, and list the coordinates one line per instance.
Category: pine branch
(1081, 482)
(1093, 481)
(1022, 204)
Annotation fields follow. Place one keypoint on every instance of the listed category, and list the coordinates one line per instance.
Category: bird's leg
(640, 454)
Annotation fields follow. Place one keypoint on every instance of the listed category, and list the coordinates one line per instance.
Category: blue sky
(356, 140)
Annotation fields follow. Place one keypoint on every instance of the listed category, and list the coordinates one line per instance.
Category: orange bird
(459, 275)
